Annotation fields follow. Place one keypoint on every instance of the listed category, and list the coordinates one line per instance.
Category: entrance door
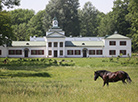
(55, 53)
(26, 53)
(84, 53)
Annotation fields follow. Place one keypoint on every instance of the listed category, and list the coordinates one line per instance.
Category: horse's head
(96, 75)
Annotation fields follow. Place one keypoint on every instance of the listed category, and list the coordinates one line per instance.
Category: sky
(37, 5)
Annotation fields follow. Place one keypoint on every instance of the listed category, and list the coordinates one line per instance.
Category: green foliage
(35, 25)
(107, 25)
(36, 62)
(6, 34)
(9, 3)
(119, 13)
(88, 20)
(20, 19)
(132, 17)
(19, 16)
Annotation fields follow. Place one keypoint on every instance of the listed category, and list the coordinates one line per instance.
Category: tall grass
(66, 83)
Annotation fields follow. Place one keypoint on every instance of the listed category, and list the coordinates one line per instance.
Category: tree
(19, 16)
(20, 32)
(35, 25)
(89, 20)
(9, 3)
(107, 25)
(6, 34)
(19, 20)
(132, 17)
(119, 13)
(66, 12)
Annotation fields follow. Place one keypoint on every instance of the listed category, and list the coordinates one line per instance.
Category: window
(18, 52)
(99, 52)
(112, 52)
(77, 52)
(40, 52)
(49, 52)
(91, 52)
(61, 52)
(50, 44)
(55, 44)
(37, 52)
(33, 52)
(0, 52)
(70, 52)
(123, 52)
(112, 43)
(123, 43)
(12, 52)
(15, 52)
(61, 44)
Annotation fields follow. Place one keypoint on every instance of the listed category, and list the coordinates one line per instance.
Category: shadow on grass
(21, 74)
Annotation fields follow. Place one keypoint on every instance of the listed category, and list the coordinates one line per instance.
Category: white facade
(56, 44)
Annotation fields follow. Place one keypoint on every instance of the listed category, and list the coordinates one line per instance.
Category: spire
(55, 18)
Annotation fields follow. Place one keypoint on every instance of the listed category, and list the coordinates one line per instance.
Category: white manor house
(56, 44)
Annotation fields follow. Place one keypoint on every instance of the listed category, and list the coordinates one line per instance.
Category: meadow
(65, 80)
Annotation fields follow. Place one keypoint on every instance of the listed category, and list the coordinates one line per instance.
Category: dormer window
(83, 43)
(27, 43)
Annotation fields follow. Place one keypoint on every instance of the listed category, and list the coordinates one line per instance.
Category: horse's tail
(128, 78)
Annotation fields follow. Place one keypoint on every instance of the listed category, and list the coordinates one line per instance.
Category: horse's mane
(102, 71)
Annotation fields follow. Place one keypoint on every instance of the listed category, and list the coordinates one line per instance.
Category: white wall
(117, 47)
(58, 40)
(4, 51)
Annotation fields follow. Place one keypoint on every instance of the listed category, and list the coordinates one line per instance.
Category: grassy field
(65, 80)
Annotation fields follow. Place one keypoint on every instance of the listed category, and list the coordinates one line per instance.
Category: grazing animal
(108, 76)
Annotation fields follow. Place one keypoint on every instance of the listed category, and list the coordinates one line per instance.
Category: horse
(108, 76)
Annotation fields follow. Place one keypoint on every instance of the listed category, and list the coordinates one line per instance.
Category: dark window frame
(92, 52)
(77, 52)
(61, 52)
(112, 43)
(123, 43)
(37, 52)
(15, 52)
(99, 52)
(61, 44)
(55, 44)
(0, 52)
(123, 52)
(49, 52)
(69, 52)
(112, 52)
(49, 44)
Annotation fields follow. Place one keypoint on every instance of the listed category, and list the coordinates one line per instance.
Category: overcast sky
(37, 5)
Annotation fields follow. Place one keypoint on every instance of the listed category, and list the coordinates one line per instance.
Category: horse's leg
(107, 83)
(124, 82)
(104, 83)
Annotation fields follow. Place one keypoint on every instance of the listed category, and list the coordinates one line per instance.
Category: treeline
(87, 21)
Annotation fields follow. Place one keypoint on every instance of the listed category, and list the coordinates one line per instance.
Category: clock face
(55, 22)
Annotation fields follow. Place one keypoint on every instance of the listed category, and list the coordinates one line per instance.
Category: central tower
(55, 22)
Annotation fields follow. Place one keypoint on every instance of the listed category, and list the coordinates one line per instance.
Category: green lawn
(65, 80)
